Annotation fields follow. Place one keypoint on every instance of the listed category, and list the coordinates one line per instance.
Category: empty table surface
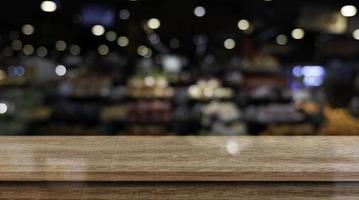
(175, 158)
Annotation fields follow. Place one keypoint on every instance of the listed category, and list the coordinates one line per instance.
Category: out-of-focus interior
(172, 67)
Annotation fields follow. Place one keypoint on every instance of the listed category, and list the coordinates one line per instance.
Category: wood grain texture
(180, 191)
(126, 158)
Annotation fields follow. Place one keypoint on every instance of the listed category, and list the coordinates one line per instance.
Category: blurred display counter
(340, 122)
(193, 167)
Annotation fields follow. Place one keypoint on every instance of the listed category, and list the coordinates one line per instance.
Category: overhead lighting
(348, 11)
(144, 51)
(60, 70)
(3, 108)
(41, 51)
(124, 14)
(297, 71)
(28, 29)
(111, 36)
(298, 33)
(356, 34)
(282, 39)
(199, 11)
(16, 71)
(123, 41)
(48, 6)
(313, 71)
(313, 75)
(103, 50)
(98, 30)
(154, 38)
(16, 45)
(229, 43)
(60, 45)
(153, 23)
(75, 50)
(28, 49)
(243, 25)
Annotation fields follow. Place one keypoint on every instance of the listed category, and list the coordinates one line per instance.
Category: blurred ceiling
(269, 18)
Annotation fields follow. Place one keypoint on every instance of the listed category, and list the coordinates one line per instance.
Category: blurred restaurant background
(172, 67)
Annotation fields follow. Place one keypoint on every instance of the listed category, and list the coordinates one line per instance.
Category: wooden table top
(197, 158)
